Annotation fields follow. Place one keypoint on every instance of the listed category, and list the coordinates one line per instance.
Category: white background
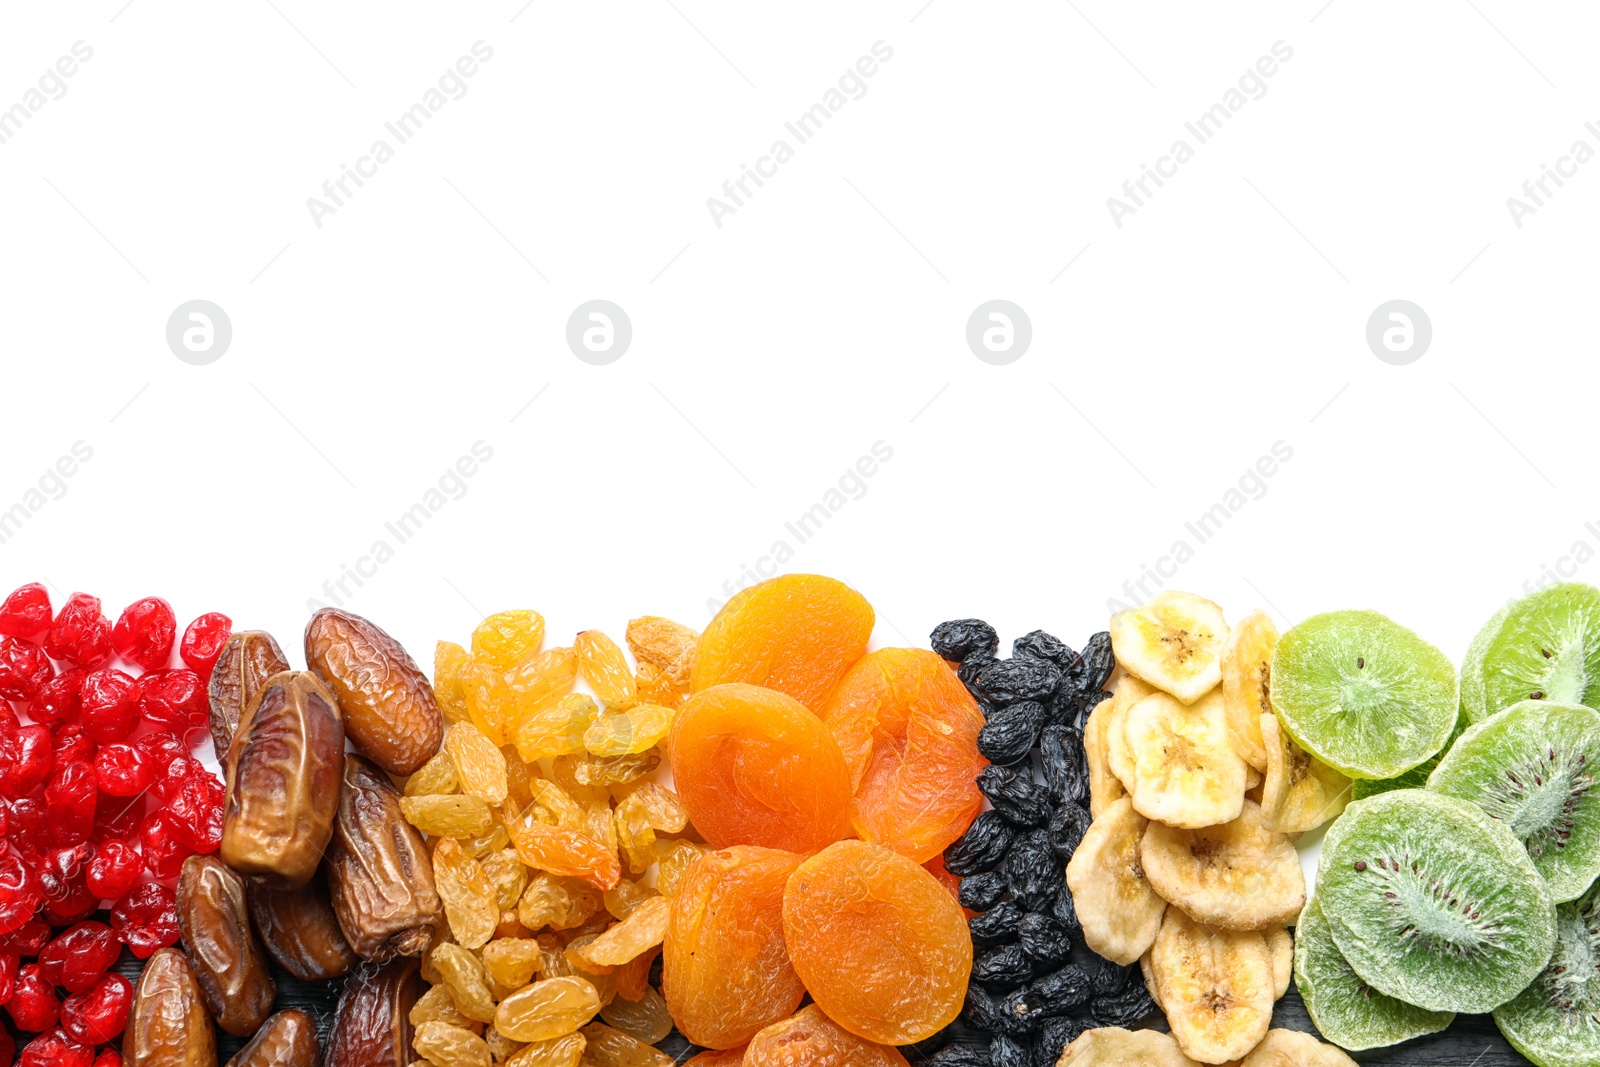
(827, 314)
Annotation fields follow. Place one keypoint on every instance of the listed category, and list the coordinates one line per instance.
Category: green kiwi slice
(1363, 694)
(1533, 768)
(1349, 1012)
(1555, 1022)
(1415, 778)
(1542, 647)
(1433, 902)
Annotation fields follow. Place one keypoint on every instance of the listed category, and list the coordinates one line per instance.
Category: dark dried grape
(1071, 707)
(1105, 977)
(1065, 763)
(1007, 1051)
(1047, 647)
(1066, 829)
(1095, 663)
(1031, 870)
(1015, 795)
(1063, 911)
(981, 1011)
(959, 638)
(1020, 1013)
(1046, 940)
(1011, 732)
(1007, 681)
(973, 665)
(1062, 990)
(1052, 1039)
(980, 892)
(960, 1054)
(998, 926)
(1125, 1008)
(1003, 967)
(982, 847)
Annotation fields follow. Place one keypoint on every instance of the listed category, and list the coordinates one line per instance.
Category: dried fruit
(1114, 1047)
(144, 633)
(504, 639)
(480, 767)
(113, 868)
(168, 1025)
(512, 961)
(642, 930)
(982, 847)
(1120, 911)
(811, 1037)
(1300, 792)
(33, 1005)
(389, 708)
(664, 645)
(26, 612)
(442, 1043)
(99, 1013)
(1216, 987)
(202, 642)
(287, 1039)
(644, 1018)
(556, 727)
(470, 901)
(240, 673)
(640, 728)
(299, 928)
(1237, 876)
(110, 705)
(146, 919)
(228, 960)
(372, 1027)
(563, 1051)
(548, 1008)
(447, 815)
(610, 1047)
(603, 666)
(959, 638)
(81, 635)
(449, 661)
(1173, 641)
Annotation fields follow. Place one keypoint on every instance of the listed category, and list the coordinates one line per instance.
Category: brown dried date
(380, 878)
(284, 789)
(228, 960)
(389, 708)
(372, 1026)
(301, 931)
(288, 1039)
(248, 659)
(168, 1025)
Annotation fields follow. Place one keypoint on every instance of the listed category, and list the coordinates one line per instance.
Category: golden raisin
(437, 777)
(505, 638)
(613, 1048)
(633, 977)
(556, 903)
(447, 816)
(604, 667)
(512, 961)
(664, 645)
(436, 1005)
(540, 680)
(676, 857)
(557, 729)
(449, 659)
(641, 930)
(480, 767)
(615, 770)
(450, 1046)
(470, 902)
(621, 733)
(547, 1008)
(565, 852)
(645, 1018)
(563, 1051)
(622, 898)
(509, 875)
(463, 976)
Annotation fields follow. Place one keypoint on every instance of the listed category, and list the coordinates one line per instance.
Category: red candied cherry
(69, 801)
(195, 811)
(115, 866)
(160, 748)
(80, 634)
(202, 642)
(26, 612)
(61, 882)
(24, 669)
(25, 828)
(99, 1013)
(27, 939)
(9, 962)
(76, 906)
(122, 770)
(143, 634)
(110, 706)
(109, 1057)
(60, 699)
(174, 697)
(116, 819)
(19, 894)
(33, 1005)
(25, 761)
(70, 745)
(146, 918)
(163, 843)
(56, 1049)
(170, 783)
(79, 955)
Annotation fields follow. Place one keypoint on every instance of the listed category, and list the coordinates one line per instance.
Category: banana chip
(1237, 876)
(1185, 771)
(1246, 684)
(1118, 910)
(1173, 641)
(1300, 792)
(1104, 786)
(1149, 973)
(1129, 692)
(1113, 1046)
(1281, 945)
(1291, 1048)
(1216, 986)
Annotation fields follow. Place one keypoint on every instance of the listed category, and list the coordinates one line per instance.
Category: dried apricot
(878, 942)
(725, 968)
(810, 1039)
(755, 767)
(797, 633)
(908, 730)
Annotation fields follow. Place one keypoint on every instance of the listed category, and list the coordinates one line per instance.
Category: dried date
(228, 961)
(372, 1025)
(248, 659)
(167, 1024)
(389, 708)
(287, 1039)
(300, 930)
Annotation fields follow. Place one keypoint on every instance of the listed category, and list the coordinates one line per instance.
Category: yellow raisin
(575, 956)
(510, 926)
(553, 806)
(621, 733)
(509, 875)
(496, 839)
(563, 1051)
(518, 775)
(512, 961)
(622, 898)
(676, 856)
(437, 777)
(555, 730)
(605, 668)
(665, 645)
(463, 976)
(609, 1047)
(447, 816)
(641, 930)
(645, 1018)
(645, 810)
(491, 706)
(436, 1005)
(553, 957)
(505, 638)
(614, 770)
(449, 659)
(655, 687)
(470, 903)
(547, 1008)
(557, 903)
(633, 977)
(501, 1047)
(450, 1046)
(480, 767)
(540, 680)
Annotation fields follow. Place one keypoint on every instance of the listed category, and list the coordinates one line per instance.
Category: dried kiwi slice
(1362, 693)
(1347, 1011)
(1555, 1022)
(1415, 778)
(1542, 647)
(1433, 902)
(1532, 767)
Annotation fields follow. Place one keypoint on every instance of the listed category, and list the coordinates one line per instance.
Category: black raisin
(1064, 911)
(982, 1010)
(959, 638)
(1067, 826)
(1014, 795)
(1000, 925)
(980, 892)
(973, 666)
(1006, 681)
(982, 847)
(1031, 870)
(1021, 1011)
(1071, 707)
(1011, 732)
(1105, 977)
(1001, 968)
(1062, 990)
(1065, 762)
(1125, 1008)
(1048, 647)
(960, 1054)
(1095, 663)
(1007, 1051)
(1053, 1038)
(1046, 940)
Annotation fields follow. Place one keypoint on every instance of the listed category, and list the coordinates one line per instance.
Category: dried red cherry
(162, 842)
(33, 1004)
(19, 895)
(60, 699)
(99, 1013)
(9, 962)
(122, 770)
(24, 669)
(26, 829)
(202, 642)
(25, 761)
(80, 634)
(71, 745)
(143, 634)
(116, 819)
(110, 706)
(109, 1057)
(195, 810)
(113, 869)
(26, 612)
(146, 919)
(27, 939)
(70, 801)
(160, 748)
(79, 955)
(174, 697)
(56, 1049)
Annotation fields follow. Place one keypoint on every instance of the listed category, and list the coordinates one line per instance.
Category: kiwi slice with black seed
(1533, 768)
(1433, 902)
(1415, 778)
(1542, 647)
(1555, 1022)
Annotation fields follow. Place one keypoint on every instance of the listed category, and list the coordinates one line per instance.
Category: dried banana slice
(1291, 1048)
(1300, 792)
(1281, 944)
(1216, 985)
(1247, 684)
(1173, 641)
(1112, 1046)
(1104, 786)
(1237, 876)
(1129, 692)
(1148, 971)
(1119, 911)
(1185, 772)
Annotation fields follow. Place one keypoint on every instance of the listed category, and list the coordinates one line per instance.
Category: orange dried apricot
(755, 767)
(942, 875)
(908, 730)
(725, 969)
(810, 1039)
(797, 633)
(881, 946)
